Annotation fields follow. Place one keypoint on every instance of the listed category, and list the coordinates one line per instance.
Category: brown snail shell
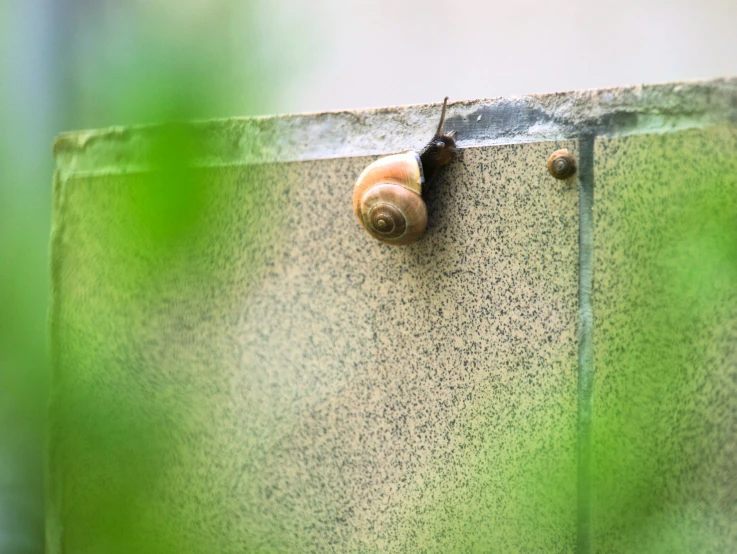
(561, 164)
(387, 199)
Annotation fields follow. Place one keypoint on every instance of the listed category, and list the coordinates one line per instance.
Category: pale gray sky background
(386, 52)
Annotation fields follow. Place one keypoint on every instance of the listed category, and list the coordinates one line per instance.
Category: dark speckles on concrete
(323, 392)
(666, 366)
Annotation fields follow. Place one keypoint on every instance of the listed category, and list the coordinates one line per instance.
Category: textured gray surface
(605, 112)
(666, 366)
(322, 391)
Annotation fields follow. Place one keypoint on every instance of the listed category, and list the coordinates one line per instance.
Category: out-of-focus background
(71, 64)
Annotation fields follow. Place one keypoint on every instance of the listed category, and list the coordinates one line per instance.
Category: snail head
(440, 150)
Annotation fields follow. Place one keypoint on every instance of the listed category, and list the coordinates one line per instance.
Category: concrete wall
(239, 367)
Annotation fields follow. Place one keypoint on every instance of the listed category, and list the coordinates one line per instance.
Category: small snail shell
(387, 197)
(561, 164)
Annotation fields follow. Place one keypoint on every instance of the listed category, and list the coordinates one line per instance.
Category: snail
(387, 197)
(561, 164)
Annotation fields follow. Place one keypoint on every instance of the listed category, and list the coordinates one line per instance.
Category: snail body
(387, 197)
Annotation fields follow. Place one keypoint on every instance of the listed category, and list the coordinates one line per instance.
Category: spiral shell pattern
(387, 199)
(561, 164)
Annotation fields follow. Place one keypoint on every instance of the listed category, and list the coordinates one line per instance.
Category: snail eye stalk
(387, 198)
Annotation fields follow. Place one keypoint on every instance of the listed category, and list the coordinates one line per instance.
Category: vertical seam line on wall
(584, 448)
(53, 528)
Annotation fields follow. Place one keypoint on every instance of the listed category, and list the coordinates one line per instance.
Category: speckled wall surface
(666, 363)
(300, 387)
(238, 367)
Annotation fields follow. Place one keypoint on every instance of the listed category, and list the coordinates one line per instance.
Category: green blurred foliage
(666, 306)
(133, 403)
(105, 63)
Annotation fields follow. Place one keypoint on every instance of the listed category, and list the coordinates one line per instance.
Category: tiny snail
(561, 164)
(387, 197)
